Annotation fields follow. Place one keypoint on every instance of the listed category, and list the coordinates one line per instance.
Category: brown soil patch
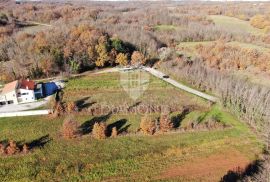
(212, 168)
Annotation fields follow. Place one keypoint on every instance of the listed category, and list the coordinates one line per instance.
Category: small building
(16, 92)
(26, 91)
(8, 94)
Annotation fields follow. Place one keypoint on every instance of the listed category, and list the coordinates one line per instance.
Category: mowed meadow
(184, 153)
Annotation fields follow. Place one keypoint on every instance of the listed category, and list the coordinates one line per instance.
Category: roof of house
(10, 87)
(27, 84)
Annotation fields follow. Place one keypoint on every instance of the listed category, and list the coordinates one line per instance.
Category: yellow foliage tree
(122, 59)
(102, 55)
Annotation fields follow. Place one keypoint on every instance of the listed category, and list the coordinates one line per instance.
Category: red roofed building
(16, 92)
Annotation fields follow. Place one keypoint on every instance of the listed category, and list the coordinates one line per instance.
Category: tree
(12, 148)
(122, 59)
(47, 65)
(117, 44)
(99, 130)
(114, 132)
(70, 128)
(137, 58)
(74, 66)
(165, 123)
(102, 54)
(113, 55)
(3, 19)
(148, 125)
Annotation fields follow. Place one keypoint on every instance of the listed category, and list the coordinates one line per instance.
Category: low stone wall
(25, 113)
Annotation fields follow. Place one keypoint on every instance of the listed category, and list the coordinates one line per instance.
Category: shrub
(25, 149)
(70, 129)
(2, 149)
(165, 123)
(148, 125)
(99, 130)
(114, 132)
(71, 107)
(58, 109)
(12, 148)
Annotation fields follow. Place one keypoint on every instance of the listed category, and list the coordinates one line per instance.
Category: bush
(58, 109)
(165, 123)
(25, 149)
(12, 148)
(71, 107)
(99, 130)
(148, 125)
(114, 132)
(70, 129)
(2, 149)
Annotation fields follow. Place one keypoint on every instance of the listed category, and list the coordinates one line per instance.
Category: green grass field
(235, 25)
(132, 157)
(166, 27)
(107, 89)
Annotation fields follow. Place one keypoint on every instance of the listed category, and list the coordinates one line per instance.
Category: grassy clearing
(107, 89)
(235, 25)
(125, 158)
(34, 29)
(249, 46)
(189, 48)
(166, 27)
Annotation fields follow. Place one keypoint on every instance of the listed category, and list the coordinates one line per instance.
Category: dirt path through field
(212, 168)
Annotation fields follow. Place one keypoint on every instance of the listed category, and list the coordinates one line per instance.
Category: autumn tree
(148, 125)
(122, 59)
(137, 58)
(12, 148)
(260, 21)
(70, 128)
(165, 123)
(114, 132)
(47, 65)
(99, 130)
(102, 52)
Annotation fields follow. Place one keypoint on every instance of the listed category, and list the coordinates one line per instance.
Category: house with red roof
(19, 91)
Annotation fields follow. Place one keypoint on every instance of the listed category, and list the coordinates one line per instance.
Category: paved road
(179, 85)
(23, 107)
(25, 113)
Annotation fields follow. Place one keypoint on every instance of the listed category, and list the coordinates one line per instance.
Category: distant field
(189, 49)
(34, 29)
(249, 46)
(235, 25)
(188, 156)
(166, 27)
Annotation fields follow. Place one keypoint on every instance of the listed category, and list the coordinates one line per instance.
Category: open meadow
(182, 154)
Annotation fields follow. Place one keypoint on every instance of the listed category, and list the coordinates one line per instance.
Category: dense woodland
(115, 28)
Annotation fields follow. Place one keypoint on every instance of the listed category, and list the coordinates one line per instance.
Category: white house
(16, 92)
(26, 91)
